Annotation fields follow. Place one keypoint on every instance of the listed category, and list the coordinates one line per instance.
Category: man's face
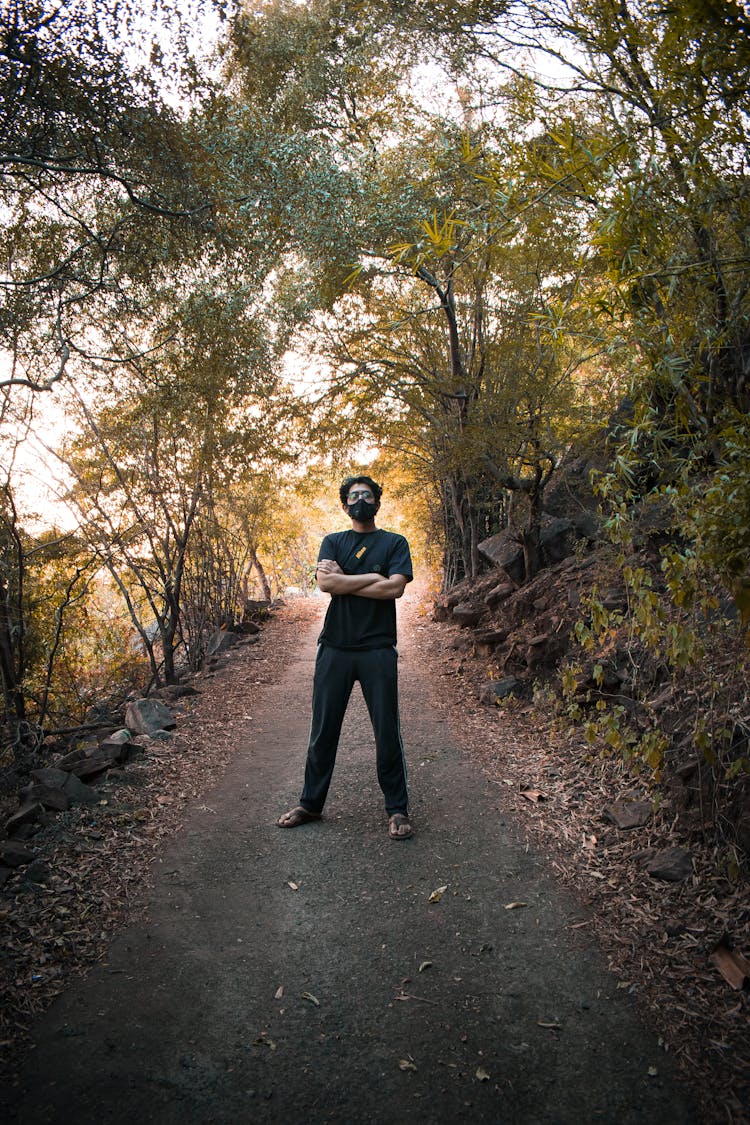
(361, 504)
(360, 492)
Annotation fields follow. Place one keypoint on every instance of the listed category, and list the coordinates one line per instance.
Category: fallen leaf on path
(438, 893)
(482, 1075)
(425, 965)
(406, 1064)
(732, 965)
(264, 1041)
(514, 905)
(310, 998)
(533, 795)
(279, 992)
(292, 885)
(549, 1025)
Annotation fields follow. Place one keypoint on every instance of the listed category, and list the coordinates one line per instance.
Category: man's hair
(377, 491)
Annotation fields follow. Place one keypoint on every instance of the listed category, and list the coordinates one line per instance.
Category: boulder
(629, 814)
(50, 796)
(100, 760)
(485, 643)
(144, 716)
(117, 737)
(558, 538)
(74, 789)
(15, 854)
(78, 793)
(671, 864)
(220, 642)
(499, 689)
(28, 814)
(67, 761)
(502, 550)
(467, 615)
(49, 775)
(499, 594)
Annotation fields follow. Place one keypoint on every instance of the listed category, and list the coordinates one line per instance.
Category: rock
(37, 872)
(176, 691)
(51, 796)
(538, 650)
(27, 814)
(13, 854)
(628, 814)
(69, 760)
(466, 615)
(615, 599)
(161, 735)
(116, 750)
(144, 716)
(255, 608)
(74, 790)
(117, 737)
(502, 550)
(499, 689)
(248, 628)
(49, 775)
(78, 793)
(672, 865)
(588, 525)
(558, 538)
(221, 640)
(102, 759)
(5, 874)
(486, 643)
(499, 594)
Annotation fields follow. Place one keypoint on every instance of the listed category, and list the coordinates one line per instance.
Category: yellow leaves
(440, 237)
(441, 234)
(353, 276)
(310, 998)
(438, 893)
(406, 1064)
(470, 152)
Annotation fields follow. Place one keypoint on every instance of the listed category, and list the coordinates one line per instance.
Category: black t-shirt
(357, 622)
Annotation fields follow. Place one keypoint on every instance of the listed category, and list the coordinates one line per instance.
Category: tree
(96, 170)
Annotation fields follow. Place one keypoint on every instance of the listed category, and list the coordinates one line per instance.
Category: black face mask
(361, 511)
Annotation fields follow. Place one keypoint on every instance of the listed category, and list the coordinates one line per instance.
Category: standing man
(364, 570)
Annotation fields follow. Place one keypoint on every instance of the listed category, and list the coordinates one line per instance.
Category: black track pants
(336, 671)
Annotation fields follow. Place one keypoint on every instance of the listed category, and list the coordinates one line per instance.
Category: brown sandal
(399, 827)
(297, 815)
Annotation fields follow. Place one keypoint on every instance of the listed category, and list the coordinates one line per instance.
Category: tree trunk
(265, 585)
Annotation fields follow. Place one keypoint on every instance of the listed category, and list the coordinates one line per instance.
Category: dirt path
(304, 975)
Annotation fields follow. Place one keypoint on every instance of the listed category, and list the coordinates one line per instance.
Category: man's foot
(297, 815)
(399, 827)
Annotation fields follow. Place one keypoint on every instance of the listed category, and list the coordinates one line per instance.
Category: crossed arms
(332, 580)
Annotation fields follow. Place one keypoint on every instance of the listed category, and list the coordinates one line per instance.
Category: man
(364, 570)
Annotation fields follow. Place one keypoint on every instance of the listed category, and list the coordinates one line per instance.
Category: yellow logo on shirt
(360, 552)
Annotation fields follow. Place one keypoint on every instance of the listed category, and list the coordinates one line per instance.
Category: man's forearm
(346, 583)
(385, 589)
